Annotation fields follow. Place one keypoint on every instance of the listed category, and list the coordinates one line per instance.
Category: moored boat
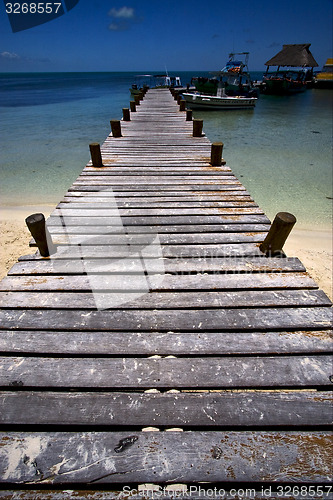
(297, 75)
(218, 102)
(234, 77)
(155, 82)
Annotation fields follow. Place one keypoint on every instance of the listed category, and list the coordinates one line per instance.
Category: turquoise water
(281, 150)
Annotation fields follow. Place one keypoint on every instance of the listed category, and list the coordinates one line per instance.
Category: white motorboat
(222, 101)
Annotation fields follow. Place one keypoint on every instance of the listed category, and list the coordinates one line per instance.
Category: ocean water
(281, 151)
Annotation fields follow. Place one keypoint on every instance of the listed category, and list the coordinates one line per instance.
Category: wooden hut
(288, 81)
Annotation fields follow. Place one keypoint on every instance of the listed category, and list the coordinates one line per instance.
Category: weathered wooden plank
(98, 280)
(147, 238)
(146, 343)
(181, 491)
(116, 211)
(292, 409)
(169, 300)
(214, 188)
(169, 251)
(154, 182)
(145, 373)
(185, 457)
(148, 197)
(104, 203)
(174, 170)
(166, 320)
(180, 228)
(186, 265)
(160, 220)
(154, 202)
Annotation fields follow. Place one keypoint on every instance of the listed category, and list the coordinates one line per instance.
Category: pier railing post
(37, 227)
(96, 156)
(216, 159)
(115, 128)
(197, 127)
(137, 100)
(132, 106)
(189, 115)
(182, 104)
(126, 115)
(278, 233)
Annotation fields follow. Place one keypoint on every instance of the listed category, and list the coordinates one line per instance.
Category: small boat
(324, 79)
(154, 82)
(285, 82)
(234, 77)
(289, 81)
(141, 82)
(218, 102)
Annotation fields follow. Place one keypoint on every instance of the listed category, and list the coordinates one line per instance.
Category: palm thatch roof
(294, 55)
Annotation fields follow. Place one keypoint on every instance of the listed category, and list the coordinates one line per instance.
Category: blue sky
(183, 35)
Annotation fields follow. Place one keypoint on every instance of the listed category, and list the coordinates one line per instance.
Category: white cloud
(123, 13)
(9, 55)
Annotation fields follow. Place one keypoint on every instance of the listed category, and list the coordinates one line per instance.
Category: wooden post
(95, 152)
(182, 104)
(189, 115)
(179, 98)
(115, 128)
(126, 115)
(141, 96)
(216, 154)
(197, 127)
(278, 233)
(137, 100)
(132, 106)
(37, 227)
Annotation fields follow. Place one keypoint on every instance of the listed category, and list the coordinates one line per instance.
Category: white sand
(313, 248)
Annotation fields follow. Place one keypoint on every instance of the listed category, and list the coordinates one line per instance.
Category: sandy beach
(312, 247)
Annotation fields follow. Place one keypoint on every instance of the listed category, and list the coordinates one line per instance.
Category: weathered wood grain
(145, 373)
(278, 409)
(83, 342)
(181, 457)
(168, 300)
(181, 266)
(97, 278)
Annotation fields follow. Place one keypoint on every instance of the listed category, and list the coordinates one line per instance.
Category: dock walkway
(158, 312)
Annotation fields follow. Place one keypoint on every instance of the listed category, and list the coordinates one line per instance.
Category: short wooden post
(126, 115)
(37, 227)
(278, 233)
(197, 127)
(141, 96)
(96, 156)
(179, 98)
(216, 154)
(182, 104)
(132, 106)
(115, 128)
(137, 100)
(189, 115)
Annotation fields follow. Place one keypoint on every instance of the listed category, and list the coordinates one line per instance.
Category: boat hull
(196, 101)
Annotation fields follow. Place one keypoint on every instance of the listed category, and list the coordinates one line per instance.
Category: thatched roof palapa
(295, 55)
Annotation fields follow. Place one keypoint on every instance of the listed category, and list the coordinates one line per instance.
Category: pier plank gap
(158, 344)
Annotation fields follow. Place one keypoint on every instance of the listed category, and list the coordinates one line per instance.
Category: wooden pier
(159, 344)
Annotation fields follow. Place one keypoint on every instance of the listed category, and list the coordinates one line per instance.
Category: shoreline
(313, 247)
